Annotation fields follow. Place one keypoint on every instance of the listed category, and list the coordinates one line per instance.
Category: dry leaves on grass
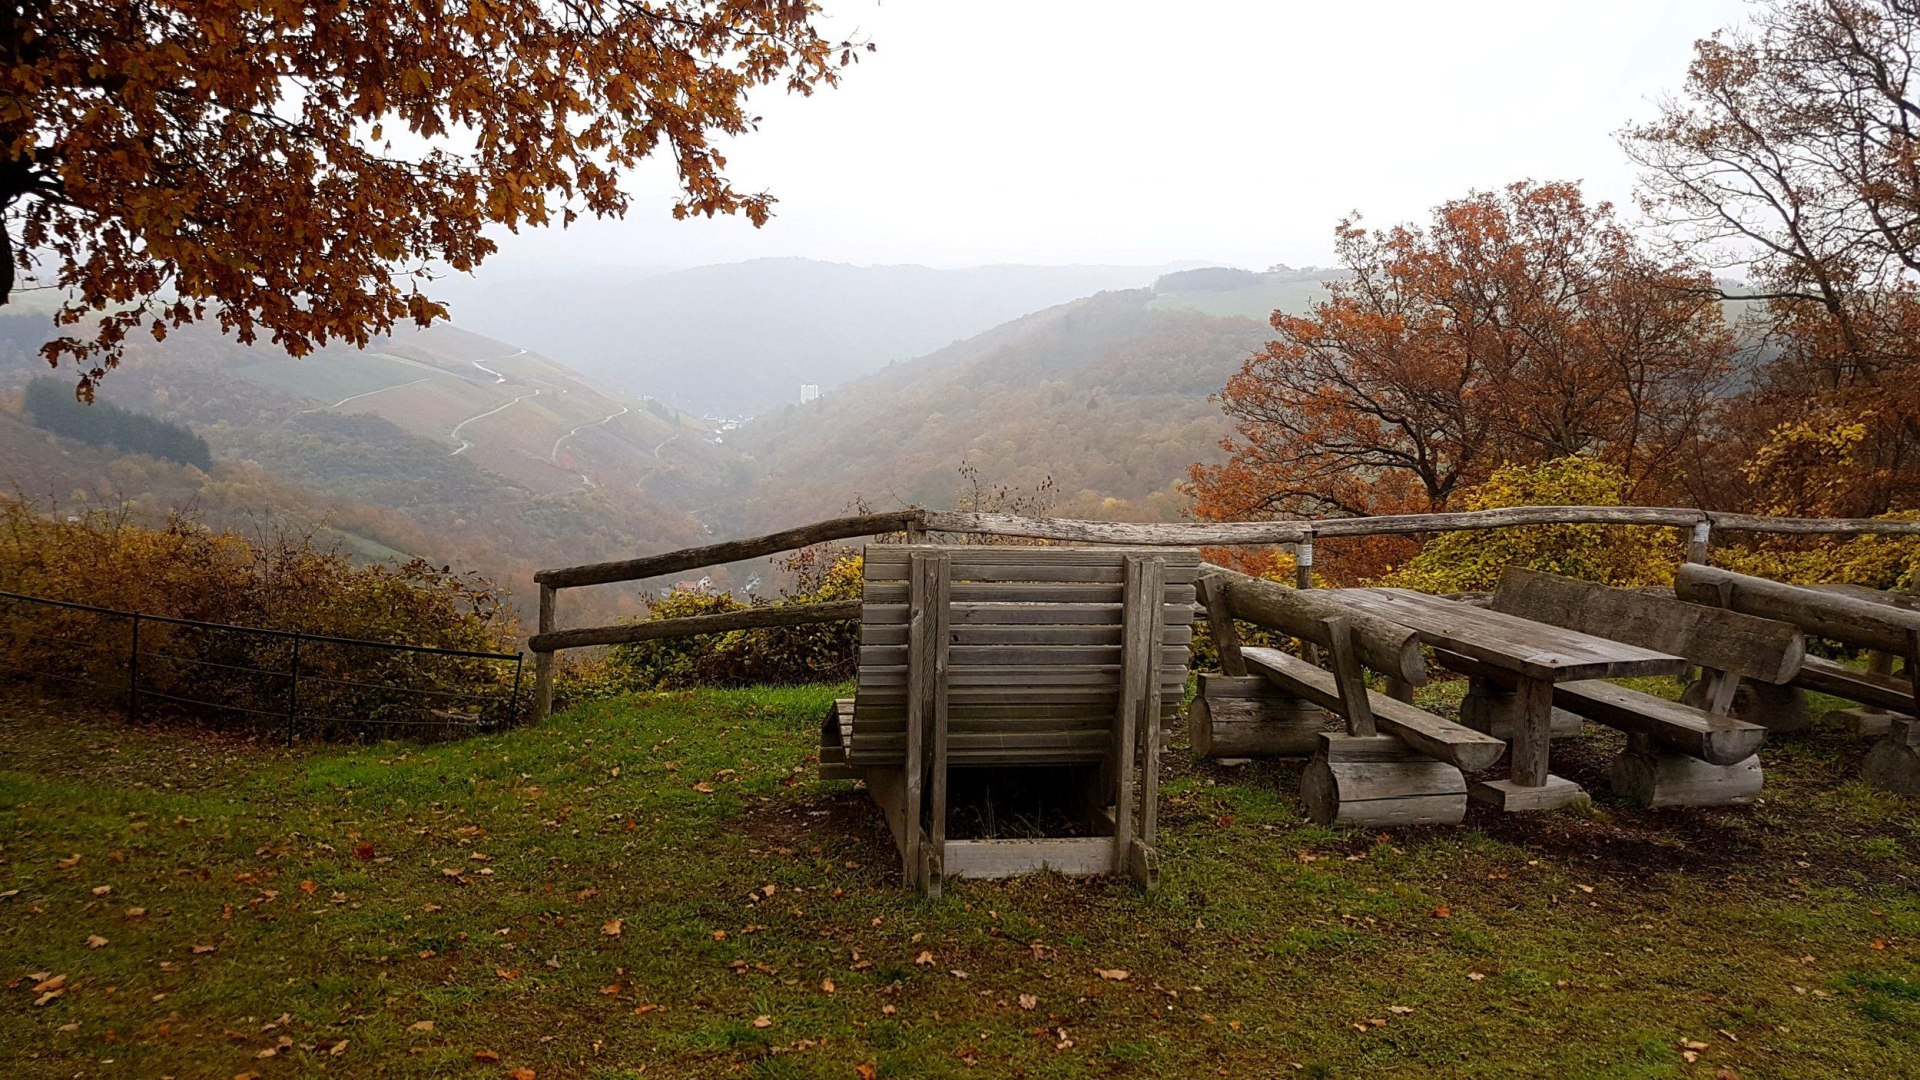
(612, 927)
(1112, 974)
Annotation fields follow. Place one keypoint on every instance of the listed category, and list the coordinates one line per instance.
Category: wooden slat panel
(1063, 706)
(1093, 743)
(885, 592)
(891, 698)
(1071, 855)
(985, 614)
(1063, 574)
(1024, 635)
(962, 656)
(894, 676)
(971, 556)
(1012, 719)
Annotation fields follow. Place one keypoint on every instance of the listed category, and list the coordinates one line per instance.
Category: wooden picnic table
(1532, 657)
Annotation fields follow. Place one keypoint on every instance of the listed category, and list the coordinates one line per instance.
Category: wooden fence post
(1697, 549)
(1303, 563)
(543, 661)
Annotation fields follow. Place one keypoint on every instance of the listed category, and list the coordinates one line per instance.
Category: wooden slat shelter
(1005, 657)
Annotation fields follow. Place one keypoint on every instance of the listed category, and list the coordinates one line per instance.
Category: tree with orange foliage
(1795, 153)
(163, 162)
(1520, 326)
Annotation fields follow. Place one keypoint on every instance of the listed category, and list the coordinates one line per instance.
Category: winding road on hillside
(467, 444)
(497, 377)
(368, 394)
(553, 455)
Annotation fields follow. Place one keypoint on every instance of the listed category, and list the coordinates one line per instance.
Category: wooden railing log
(1862, 623)
(653, 629)
(674, 562)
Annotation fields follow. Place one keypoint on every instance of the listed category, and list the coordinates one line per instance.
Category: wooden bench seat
(1434, 736)
(1697, 733)
(1890, 692)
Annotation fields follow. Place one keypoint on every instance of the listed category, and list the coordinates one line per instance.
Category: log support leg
(1782, 710)
(1248, 716)
(1377, 780)
(1530, 785)
(1492, 709)
(1645, 775)
(1894, 762)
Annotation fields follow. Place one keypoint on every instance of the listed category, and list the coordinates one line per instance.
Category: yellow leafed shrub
(1619, 555)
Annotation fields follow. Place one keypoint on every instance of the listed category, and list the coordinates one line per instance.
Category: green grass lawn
(661, 886)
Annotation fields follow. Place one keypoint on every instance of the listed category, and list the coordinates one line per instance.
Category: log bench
(1394, 763)
(1885, 623)
(1678, 754)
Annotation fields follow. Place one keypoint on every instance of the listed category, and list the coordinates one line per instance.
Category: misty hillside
(1107, 396)
(544, 468)
(740, 338)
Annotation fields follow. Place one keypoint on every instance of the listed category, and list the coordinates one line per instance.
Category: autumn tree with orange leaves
(301, 169)
(1794, 153)
(1519, 326)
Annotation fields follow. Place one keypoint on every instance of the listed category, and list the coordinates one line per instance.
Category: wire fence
(281, 682)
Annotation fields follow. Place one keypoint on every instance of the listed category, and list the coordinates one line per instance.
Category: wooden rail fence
(916, 523)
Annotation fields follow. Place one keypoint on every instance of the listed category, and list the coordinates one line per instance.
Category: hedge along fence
(916, 523)
(280, 682)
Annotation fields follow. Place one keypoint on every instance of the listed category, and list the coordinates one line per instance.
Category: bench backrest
(1743, 645)
(1034, 643)
(1878, 623)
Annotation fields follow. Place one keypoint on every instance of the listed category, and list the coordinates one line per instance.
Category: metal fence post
(513, 707)
(133, 671)
(293, 690)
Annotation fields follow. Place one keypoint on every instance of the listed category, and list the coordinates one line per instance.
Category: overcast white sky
(1099, 131)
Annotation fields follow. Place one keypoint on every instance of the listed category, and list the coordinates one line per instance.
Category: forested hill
(1107, 396)
(440, 444)
(740, 338)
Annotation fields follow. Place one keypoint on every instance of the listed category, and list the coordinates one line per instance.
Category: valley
(458, 447)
